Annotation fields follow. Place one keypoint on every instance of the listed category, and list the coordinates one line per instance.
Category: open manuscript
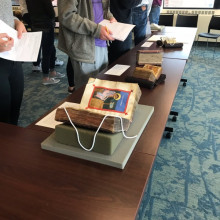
(101, 98)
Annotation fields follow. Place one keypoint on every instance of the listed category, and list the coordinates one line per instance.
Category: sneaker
(36, 68)
(57, 75)
(155, 27)
(50, 81)
(58, 62)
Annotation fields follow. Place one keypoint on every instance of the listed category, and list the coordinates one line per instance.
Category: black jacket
(42, 14)
(121, 9)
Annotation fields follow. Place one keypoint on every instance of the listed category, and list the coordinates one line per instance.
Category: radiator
(203, 19)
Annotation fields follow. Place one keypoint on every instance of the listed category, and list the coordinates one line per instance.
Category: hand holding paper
(119, 30)
(106, 34)
(20, 28)
(24, 49)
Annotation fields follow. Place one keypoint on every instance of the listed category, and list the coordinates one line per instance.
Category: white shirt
(23, 7)
(144, 2)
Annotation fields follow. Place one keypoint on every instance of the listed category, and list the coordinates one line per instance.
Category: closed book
(147, 76)
(153, 57)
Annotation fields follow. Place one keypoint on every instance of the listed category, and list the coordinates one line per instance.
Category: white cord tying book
(120, 31)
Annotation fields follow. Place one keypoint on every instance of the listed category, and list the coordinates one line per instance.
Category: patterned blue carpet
(38, 99)
(185, 180)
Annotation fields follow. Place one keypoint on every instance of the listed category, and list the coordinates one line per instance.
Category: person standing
(11, 74)
(42, 18)
(26, 18)
(24, 13)
(139, 19)
(83, 38)
(155, 12)
(121, 10)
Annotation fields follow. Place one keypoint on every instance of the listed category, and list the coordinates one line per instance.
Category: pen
(106, 29)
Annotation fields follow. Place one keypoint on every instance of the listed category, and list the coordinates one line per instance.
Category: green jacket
(77, 31)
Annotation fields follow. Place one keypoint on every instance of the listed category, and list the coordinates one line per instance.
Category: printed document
(117, 70)
(120, 31)
(147, 44)
(25, 49)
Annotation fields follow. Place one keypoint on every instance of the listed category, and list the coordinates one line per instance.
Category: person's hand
(105, 34)
(6, 42)
(20, 28)
(113, 20)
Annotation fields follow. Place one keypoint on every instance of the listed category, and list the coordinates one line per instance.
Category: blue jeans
(154, 14)
(118, 48)
(139, 18)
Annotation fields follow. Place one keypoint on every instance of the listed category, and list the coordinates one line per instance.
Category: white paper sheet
(117, 70)
(120, 30)
(25, 49)
(147, 44)
(49, 120)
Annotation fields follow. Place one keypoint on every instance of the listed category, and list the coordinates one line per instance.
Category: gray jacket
(6, 13)
(77, 31)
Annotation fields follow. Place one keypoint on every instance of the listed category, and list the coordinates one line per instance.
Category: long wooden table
(37, 184)
(187, 35)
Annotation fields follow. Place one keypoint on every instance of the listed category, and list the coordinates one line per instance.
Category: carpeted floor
(38, 99)
(185, 180)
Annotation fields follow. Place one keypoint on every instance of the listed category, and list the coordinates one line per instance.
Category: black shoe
(70, 91)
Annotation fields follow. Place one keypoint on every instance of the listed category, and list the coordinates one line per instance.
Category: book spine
(149, 51)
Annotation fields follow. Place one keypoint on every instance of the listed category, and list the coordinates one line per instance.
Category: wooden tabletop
(186, 35)
(38, 184)
(185, 31)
